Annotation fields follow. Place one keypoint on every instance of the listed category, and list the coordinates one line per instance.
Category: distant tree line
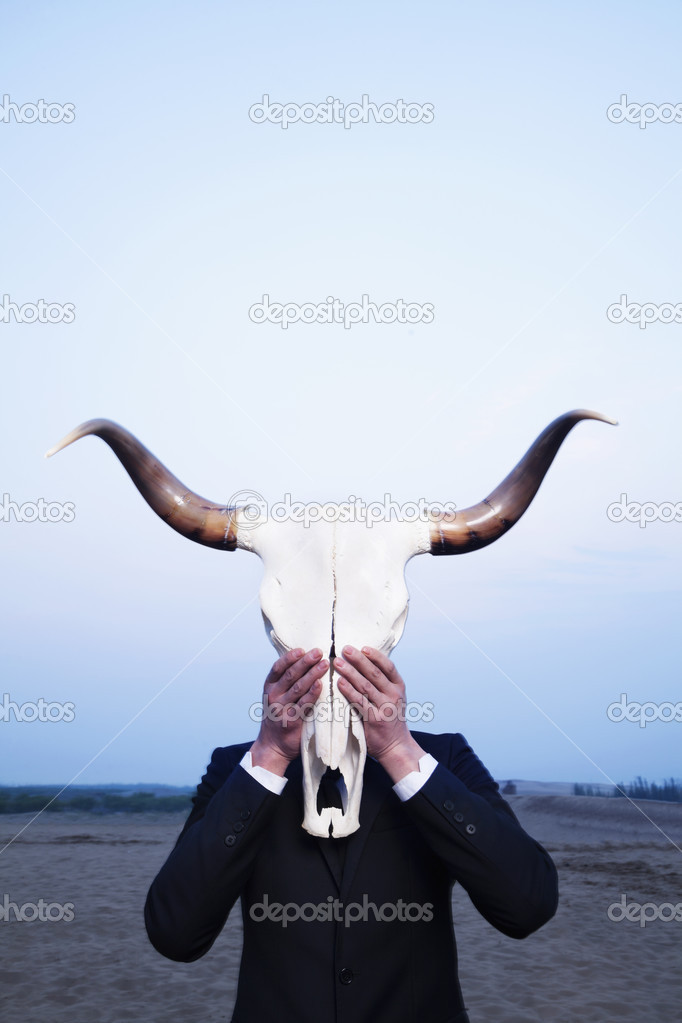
(32, 800)
(669, 791)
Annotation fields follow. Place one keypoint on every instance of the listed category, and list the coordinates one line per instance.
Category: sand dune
(583, 966)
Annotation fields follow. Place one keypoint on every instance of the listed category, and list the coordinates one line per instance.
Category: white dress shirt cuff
(412, 782)
(271, 781)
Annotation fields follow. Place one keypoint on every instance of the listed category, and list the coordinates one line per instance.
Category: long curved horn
(196, 518)
(485, 522)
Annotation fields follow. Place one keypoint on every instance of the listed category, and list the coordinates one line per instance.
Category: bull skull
(333, 583)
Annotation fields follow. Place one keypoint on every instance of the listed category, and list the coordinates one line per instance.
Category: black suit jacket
(242, 840)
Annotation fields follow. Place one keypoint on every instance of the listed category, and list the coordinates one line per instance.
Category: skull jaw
(316, 757)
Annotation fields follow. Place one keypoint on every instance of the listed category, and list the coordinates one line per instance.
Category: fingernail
(348, 650)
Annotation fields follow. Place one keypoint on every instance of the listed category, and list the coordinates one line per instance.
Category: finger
(384, 663)
(355, 698)
(357, 676)
(303, 684)
(282, 663)
(296, 670)
(295, 710)
(368, 669)
(310, 698)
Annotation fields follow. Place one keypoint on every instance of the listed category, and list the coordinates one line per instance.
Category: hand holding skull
(371, 683)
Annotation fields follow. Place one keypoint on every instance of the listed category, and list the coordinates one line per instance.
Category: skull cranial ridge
(333, 582)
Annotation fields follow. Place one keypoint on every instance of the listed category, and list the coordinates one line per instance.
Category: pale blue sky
(163, 213)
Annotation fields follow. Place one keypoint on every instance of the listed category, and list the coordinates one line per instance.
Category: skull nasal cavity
(329, 793)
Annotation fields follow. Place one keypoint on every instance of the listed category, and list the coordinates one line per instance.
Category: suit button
(245, 814)
(346, 976)
(471, 829)
(238, 826)
(230, 840)
(459, 817)
(448, 806)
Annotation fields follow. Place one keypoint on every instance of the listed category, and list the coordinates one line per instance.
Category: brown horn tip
(485, 522)
(195, 517)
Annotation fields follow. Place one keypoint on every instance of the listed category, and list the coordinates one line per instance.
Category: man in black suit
(357, 929)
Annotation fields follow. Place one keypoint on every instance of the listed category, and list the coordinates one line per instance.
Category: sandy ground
(583, 966)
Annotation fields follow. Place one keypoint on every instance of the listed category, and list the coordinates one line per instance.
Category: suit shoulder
(224, 759)
(444, 745)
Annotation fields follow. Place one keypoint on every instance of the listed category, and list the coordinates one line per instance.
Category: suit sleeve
(193, 893)
(509, 877)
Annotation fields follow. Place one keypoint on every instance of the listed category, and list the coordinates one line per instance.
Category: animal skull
(333, 582)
